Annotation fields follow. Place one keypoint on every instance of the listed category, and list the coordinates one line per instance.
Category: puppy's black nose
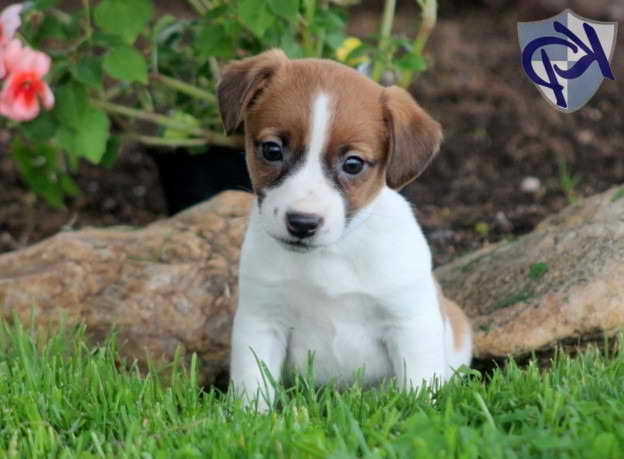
(302, 225)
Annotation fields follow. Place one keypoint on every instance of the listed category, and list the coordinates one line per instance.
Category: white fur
(364, 299)
(308, 190)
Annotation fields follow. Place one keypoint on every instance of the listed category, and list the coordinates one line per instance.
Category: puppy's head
(321, 142)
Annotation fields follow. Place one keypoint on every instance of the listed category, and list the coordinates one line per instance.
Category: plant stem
(429, 19)
(320, 41)
(207, 137)
(213, 139)
(214, 68)
(198, 7)
(186, 88)
(156, 118)
(114, 91)
(161, 141)
(88, 29)
(384, 34)
(309, 7)
(60, 15)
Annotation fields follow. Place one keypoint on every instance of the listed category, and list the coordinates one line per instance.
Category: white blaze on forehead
(319, 128)
(308, 189)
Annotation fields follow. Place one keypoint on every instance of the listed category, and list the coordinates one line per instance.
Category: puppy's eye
(272, 151)
(353, 165)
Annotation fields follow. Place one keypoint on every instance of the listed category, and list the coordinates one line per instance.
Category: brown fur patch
(414, 137)
(383, 126)
(241, 82)
(357, 126)
(458, 320)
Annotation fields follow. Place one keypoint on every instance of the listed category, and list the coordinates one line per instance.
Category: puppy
(334, 264)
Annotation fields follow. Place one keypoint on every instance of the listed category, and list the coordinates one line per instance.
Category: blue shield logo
(567, 56)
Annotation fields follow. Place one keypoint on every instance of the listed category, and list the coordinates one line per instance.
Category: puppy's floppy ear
(414, 137)
(241, 81)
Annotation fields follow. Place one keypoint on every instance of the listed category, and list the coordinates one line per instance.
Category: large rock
(171, 285)
(563, 282)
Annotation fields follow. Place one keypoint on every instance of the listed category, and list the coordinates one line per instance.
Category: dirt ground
(499, 131)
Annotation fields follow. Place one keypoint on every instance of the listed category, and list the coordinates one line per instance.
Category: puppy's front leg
(415, 344)
(256, 342)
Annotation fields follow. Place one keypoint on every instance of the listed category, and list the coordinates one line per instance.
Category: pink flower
(24, 86)
(9, 22)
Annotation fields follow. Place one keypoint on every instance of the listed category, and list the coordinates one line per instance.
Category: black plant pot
(187, 178)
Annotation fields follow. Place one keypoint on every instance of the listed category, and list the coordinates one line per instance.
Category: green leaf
(69, 186)
(619, 194)
(165, 27)
(127, 18)
(112, 152)
(126, 64)
(291, 47)
(233, 29)
(255, 15)
(416, 63)
(88, 71)
(65, 139)
(330, 20)
(288, 9)
(51, 27)
(41, 129)
(213, 40)
(334, 40)
(59, 70)
(88, 139)
(361, 50)
(537, 270)
(94, 133)
(186, 118)
(42, 4)
(72, 102)
(216, 13)
(36, 167)
(106, 39)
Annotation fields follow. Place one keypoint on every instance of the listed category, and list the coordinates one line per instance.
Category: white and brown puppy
(334, 263)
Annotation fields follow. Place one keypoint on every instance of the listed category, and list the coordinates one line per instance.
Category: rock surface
(562, 282)
(170, 285)
(173, 284)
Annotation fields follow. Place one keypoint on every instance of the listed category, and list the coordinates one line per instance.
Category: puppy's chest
(343, 334)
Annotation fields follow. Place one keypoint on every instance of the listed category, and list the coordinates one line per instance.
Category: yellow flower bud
(348, 45)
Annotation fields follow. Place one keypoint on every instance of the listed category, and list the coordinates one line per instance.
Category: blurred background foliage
(509, 159)
(121, 72)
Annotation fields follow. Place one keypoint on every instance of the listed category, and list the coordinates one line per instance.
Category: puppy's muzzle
(303, 225)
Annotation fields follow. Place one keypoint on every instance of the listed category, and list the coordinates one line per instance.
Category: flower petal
(47, 96)
(24, 111)
(19, 110)
(18, 57)
(13, 53)
(10, 20)
(40, 63)
(6, 88)
(16, 102)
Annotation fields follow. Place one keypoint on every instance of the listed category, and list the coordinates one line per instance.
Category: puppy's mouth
(295, 245)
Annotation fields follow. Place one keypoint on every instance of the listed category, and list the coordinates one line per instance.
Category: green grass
(62, 399)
